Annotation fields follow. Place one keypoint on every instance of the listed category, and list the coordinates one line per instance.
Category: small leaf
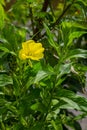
(11, 108)
(23, 121)
(39, 107)
(35, 106)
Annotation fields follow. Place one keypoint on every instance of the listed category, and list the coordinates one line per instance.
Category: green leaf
(11, 108)
(29, 82)
(51, 38)
(39, 107)
(83, 2)
(29, 1)
(56, 126)
(63, 69)
(2, 125)
(5, 80)
(60, 71)
(74, 35)
(71, 26)
(2, 2)
(72, 30)
(72, 104)
(16, 84)
(79, 117)
(35, 106)
(23, 121)
(37, 126)
(2, 54)
(70, 98)
(41, 75)
(1, 93)
(76, 53)
(2, 102)
(66, 106)
(4, 49)
(2, 16)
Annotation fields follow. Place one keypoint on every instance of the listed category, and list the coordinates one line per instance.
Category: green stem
(31, 16)
(51, 9)
(49, 104)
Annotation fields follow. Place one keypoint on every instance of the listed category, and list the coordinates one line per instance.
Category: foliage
(39, 94)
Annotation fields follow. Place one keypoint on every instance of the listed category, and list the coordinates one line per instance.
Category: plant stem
(31, 16)
(9, 4)
(39, 20)
(63, 13)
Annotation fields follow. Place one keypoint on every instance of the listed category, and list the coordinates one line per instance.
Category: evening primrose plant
(43, 64)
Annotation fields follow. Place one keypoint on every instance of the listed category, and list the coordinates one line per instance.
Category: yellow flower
(31, 50)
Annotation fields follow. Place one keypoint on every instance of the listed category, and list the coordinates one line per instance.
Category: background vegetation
(38, 95)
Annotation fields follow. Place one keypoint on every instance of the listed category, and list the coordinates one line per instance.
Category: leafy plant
(43, 61)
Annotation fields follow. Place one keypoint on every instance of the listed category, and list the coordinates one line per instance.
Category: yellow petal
(26, 44)
(22, 54)
(41, 50)
(31, 50)
(37, 57)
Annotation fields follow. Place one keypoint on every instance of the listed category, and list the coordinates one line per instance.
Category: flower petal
(22, 54)
(31, 50)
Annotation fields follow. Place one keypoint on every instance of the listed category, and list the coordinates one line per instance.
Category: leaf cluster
(40, 95)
